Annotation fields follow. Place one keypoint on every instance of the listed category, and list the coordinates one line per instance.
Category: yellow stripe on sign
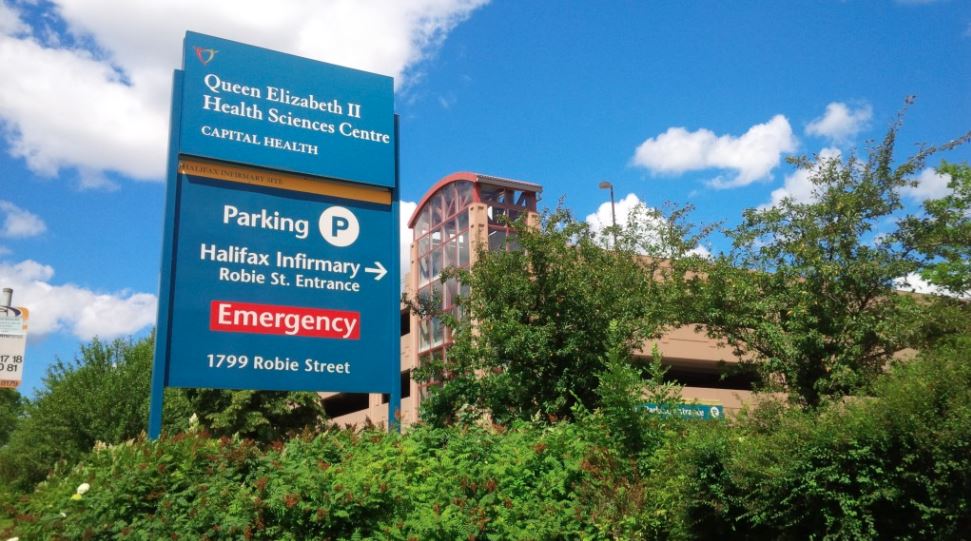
(283, 181)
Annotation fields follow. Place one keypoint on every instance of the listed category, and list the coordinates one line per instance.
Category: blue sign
(279, 261)
(280, 290)
(688, 411)
(249, 105)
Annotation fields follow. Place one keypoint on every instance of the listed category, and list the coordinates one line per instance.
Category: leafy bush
(624, 389)
(266, 416)
(429, 484)
(896, 464)
(103, 395)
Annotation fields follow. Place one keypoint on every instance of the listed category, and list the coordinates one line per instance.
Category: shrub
(895, 464)
(428, 484)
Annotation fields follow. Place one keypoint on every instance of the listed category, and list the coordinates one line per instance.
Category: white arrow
(379, 270)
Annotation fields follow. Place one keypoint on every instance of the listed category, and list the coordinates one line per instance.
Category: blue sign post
(279, 267)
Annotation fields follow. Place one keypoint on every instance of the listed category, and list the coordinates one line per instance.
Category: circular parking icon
(339, 226)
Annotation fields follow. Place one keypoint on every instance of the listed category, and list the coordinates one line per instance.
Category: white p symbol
(339, 226)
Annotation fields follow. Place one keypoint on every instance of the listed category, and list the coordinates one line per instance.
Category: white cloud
(700, 251)
(19, 223)
(405, 210)
(602, 218)
(840, 123)
(752, 155)
(66, 109)
(798, 186)
(630, 207)
(108, 112)
(73, 309)
(915, 284)
(930, 185)
(10, 23)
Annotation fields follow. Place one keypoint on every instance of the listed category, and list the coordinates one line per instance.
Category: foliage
(11, 408)
(694, 497)
(534, 330)
(899, 463)
(895, 464)
(99, 396)
(616, 492)
(262, 415)
(943, 233)
(429, 484)
(807, 290)
(623, 390)
(103, 395)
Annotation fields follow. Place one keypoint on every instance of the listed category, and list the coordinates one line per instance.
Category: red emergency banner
(242, 317)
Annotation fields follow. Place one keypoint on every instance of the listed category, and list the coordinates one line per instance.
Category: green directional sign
(688, 411)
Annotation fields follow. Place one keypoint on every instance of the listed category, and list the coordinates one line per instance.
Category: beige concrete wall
(686, 345)
(377, 413)
(731, 399)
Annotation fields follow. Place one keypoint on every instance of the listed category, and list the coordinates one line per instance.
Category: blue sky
(690, 102)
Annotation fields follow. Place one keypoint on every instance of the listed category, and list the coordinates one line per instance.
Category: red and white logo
(205, 55)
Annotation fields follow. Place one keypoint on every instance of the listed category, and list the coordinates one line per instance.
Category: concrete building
(458, 216)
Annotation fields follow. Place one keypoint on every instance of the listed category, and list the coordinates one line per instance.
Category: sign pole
(163, 328)
(394, 403)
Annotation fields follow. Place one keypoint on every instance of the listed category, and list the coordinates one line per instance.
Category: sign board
(279, 287)
(279, 266)
(249, 105)
(689, 411)
(13, 344)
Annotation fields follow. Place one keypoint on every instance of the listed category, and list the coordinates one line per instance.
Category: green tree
(807, 289)
(623, 390)
(11, 407)
(99, 396)
(943, 233)
(103, 394)
(536, 325)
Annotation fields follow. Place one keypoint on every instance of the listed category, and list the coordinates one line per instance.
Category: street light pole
(613, 208)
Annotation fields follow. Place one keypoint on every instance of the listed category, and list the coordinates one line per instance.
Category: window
(443, 241)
